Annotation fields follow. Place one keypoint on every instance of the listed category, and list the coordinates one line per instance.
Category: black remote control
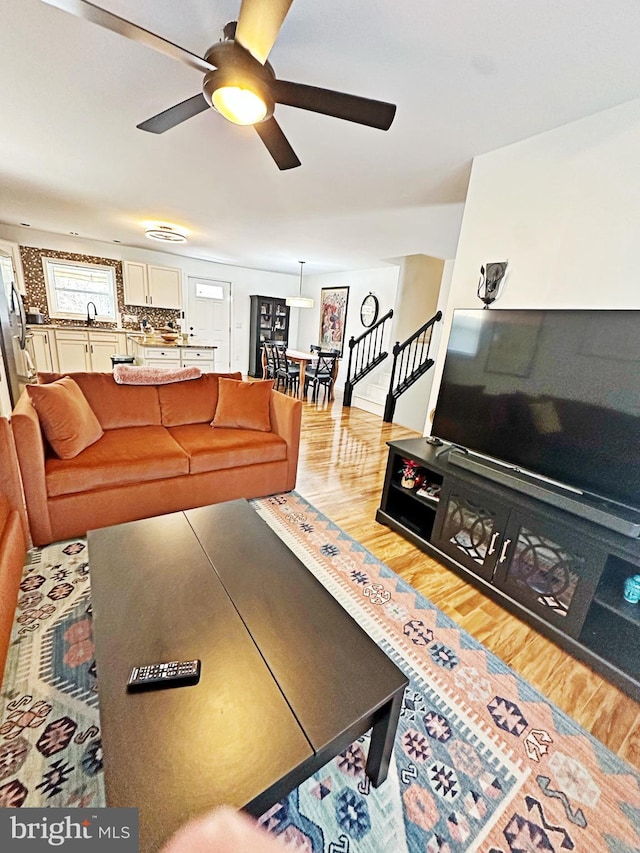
(152, 676)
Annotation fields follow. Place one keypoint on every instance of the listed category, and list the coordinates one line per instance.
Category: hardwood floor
(343, 455)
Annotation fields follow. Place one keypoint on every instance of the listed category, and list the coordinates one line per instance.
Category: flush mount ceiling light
(299, 301)
(165, 234)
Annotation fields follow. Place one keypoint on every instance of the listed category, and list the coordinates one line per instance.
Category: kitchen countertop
(77, 327)
(137, 337)
(156, 341)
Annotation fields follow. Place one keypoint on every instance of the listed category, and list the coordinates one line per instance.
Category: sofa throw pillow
(243, 405)
(66, 418)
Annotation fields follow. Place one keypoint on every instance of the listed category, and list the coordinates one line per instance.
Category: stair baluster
(408, 366)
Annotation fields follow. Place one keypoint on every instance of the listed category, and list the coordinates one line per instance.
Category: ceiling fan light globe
(239, 105)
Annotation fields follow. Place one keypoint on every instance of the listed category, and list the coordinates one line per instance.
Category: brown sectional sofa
(158, 454)
(13, 537)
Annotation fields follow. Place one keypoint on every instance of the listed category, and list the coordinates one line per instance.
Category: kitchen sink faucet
(91, 318)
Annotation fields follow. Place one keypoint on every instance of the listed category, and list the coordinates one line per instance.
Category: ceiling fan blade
(338, 104)
(277, 144)
(175, 115)
(259, 23)
(84, 9)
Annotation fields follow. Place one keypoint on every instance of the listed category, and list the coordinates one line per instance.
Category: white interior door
(208, 318)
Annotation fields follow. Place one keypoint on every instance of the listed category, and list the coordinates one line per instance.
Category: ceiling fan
(239, 82)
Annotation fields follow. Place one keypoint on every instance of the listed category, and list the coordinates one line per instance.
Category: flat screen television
(555, 393)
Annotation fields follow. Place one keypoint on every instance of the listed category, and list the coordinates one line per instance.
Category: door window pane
(209, 291)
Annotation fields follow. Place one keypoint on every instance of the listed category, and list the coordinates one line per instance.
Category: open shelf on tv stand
(559, 567)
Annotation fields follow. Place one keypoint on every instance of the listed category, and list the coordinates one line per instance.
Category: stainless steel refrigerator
(14, 337)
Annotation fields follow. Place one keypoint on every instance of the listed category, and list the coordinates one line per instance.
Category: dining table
(303, 358)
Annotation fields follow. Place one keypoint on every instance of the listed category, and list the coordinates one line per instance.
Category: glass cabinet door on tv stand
(470, 527)
(550, 571)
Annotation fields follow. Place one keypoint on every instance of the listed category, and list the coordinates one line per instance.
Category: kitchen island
(152, 351)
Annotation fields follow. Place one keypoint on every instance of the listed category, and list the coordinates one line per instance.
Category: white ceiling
(467, 78)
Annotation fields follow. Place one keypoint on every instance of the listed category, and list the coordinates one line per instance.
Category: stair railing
(410, 361)
(365, 353)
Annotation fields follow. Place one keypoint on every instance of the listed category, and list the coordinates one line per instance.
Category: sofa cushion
(12, 548)
(121, 456)
(5, 511)
(115, 405)
(192, 402)
(243, 405)
(65, 416)
(216, 449)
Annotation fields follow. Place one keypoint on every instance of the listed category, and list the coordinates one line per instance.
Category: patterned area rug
(482, 762)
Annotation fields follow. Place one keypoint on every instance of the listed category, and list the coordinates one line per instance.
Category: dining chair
(269, 360)
(320, 373)
(286, 371)
(277, 365)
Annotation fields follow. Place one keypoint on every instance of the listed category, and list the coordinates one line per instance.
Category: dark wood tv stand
(561, 573)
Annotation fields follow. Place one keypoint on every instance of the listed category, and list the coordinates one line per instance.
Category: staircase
(365, 354)
(411, 360)
(370, 396)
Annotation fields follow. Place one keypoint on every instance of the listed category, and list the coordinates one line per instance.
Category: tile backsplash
(36, 291)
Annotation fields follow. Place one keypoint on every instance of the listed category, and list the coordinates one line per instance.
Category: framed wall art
(333, 317)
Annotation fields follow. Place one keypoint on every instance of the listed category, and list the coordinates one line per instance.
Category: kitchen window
(71, 285)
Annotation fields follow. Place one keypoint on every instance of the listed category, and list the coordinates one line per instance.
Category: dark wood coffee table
(288, 678)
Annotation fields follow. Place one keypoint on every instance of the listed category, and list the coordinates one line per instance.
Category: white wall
(381, 282)
(244, 281)
(417, 295)
(412, 408)
(564, 209)
(419, 291)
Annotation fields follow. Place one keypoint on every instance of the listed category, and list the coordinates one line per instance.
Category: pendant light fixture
(299, 301)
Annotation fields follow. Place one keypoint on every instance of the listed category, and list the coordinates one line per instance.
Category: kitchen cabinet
(155, 357)
(269, 321)
(151, 285)
(42, 341)
(202, 358)
(562, 573)
(102, 345)
(80, 350)
(72, 348)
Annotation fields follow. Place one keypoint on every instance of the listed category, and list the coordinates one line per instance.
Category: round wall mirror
(369, 310)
